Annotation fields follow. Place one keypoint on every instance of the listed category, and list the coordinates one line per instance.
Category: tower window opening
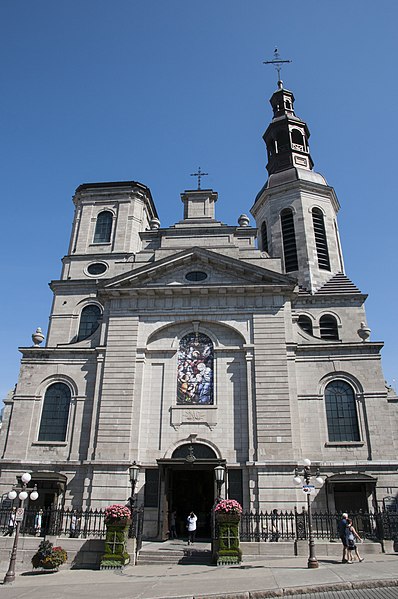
(320, 239)
(288, 105)
(282, 142)
(264, 237)
(89, 321)
(341, 413)
(103, 227)
(305, 323)
(297, 139)
(328, 327)
(289, 240)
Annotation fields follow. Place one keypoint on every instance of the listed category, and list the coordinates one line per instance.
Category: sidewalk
(252, 580)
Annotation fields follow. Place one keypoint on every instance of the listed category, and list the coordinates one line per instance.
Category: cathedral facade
(204, 344)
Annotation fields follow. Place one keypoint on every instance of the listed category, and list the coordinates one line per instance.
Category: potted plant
(228, 510)
(49, 557)
(117, 521)
(227, 515)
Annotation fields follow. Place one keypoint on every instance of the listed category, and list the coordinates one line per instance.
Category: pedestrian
(352, 536)
(173, 530)
(73, 528)
(11, 523)
(274, 526)
(191, 526)
(38, 523)
(341, 528)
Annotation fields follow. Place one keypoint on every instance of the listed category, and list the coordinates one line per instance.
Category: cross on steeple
(278, 62)
(199, 175)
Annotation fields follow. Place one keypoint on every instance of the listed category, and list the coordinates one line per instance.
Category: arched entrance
(189, 485)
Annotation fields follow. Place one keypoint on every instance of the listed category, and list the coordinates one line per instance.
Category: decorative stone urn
(364, 332)
(37, 337)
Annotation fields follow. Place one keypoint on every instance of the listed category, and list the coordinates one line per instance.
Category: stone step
(173, 556)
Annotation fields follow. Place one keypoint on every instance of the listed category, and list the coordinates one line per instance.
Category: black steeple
(287, 135)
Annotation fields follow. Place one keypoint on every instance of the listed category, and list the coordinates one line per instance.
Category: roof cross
(278, 62)
(199, 175)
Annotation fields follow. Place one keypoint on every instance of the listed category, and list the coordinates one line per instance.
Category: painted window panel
(195, 370)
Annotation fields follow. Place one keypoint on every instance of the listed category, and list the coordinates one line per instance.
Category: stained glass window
(195, 370)
(88, 321)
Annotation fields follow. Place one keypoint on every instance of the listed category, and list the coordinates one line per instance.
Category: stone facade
(274, 354)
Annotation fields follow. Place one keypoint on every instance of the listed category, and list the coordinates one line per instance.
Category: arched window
(55, 414)
(289, 240)
(264, 237)
(195, 370)
(305, 323)
(320, 239)
(103, 227)
(297, 138)
(88, 321)
(328, 327)
(341, 412)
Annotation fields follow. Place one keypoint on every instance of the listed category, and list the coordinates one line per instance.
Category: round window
(97, 268)
(196, 275)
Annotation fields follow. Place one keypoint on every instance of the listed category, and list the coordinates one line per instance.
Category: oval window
(196, 275)
(98, 268)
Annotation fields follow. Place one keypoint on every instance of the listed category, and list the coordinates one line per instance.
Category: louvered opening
(328, 327)
(264, 238)
(289, 240)
(305, 323)
(320, 239)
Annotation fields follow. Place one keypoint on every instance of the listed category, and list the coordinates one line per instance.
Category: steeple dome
(287, 135)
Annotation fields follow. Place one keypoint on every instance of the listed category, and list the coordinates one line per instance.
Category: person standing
(191, 526)
(11, 523)
(352, 536)
(341, 528)
(173, 530)
(274, 526)
(38, 523)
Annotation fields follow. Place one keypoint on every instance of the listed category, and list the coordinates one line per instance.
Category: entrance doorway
(192, 490)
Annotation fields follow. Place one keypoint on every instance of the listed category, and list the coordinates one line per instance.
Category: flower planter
(226, 549)
(116, 556)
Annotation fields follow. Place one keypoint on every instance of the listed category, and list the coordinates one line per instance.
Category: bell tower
(296, 210)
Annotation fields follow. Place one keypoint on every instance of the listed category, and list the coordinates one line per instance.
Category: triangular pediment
(219, 270)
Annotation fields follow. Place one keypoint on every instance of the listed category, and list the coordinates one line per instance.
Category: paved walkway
(252, 580)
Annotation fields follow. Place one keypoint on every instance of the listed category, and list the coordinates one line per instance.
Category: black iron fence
(289, 526)
(60, 522)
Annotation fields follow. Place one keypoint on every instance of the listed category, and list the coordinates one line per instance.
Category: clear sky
(100, 90)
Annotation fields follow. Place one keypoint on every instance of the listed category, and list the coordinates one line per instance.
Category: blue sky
(94, 90)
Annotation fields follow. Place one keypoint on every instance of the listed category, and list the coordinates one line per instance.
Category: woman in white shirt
(191, 526)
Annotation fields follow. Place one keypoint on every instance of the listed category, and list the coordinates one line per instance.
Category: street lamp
(134, 471)
(307, 489)
(219, 473)
(22, 495)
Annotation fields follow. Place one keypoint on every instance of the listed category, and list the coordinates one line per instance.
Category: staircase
(174, 552)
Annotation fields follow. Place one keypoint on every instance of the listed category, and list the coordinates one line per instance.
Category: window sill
(344, 444)
(56, 443)
(101, 243)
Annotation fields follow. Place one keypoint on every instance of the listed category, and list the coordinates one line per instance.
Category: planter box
(116, 556)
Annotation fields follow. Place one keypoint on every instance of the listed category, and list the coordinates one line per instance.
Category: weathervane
(278, 62)
(199, 175)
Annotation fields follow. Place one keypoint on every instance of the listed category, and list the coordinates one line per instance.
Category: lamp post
(219, 473)
(307, 474)
(134, 471)
(22, 495)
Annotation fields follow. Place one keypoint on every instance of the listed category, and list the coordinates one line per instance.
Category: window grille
(89, 321)
(341, 412)
(103, 227)
(328, 327)
(320, 239)
(289, 240)
(55, 414)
